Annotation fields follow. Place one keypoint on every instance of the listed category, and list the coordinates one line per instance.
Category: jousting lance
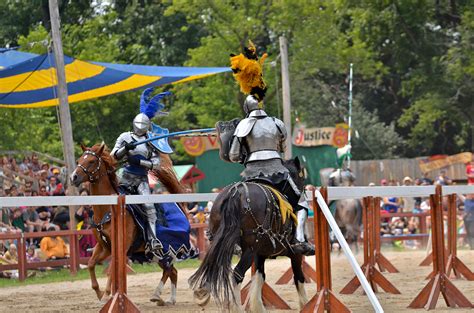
(176, 134)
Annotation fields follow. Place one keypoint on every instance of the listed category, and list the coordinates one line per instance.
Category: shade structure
(29, 80)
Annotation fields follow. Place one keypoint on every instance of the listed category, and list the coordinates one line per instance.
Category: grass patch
(64, 275)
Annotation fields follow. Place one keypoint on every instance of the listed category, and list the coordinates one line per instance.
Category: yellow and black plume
(248, 71)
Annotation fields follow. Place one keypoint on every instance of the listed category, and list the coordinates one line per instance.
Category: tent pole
(285, 82)
(64, 113)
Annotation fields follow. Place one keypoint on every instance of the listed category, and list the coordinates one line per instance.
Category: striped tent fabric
(29, 81)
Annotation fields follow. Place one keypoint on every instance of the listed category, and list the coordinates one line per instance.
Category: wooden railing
(74, 256)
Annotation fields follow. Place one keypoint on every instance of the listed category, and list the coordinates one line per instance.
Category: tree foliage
(413, 66)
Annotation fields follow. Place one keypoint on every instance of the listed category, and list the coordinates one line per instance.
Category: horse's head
(94, 163)
(297, 172)
(341, 177)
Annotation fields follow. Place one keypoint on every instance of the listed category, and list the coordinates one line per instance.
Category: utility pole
(350, 116)
(64, 113)
(285, 84)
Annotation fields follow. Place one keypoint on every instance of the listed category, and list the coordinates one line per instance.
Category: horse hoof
(171, 302)
(201, 297)
(158, 300)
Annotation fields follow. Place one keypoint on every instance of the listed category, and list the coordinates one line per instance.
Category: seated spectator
(31, 255)
(17, 219)
(85, 213)
(45, 217)
(425, 180)
(54, 248)
(35, 165)
(54, 188)
(32, 220)
(390, 204)
(443, 179)
(61, 217)
(9, 257)
(42, 191)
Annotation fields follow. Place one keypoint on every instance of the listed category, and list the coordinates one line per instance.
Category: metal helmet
(141, 124)
(251, 104)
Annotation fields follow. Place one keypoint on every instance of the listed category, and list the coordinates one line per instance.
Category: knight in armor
(258, 142)
(141, 158)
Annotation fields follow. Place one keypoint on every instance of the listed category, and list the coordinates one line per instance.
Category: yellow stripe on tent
(76, 70)
(192, 78)
(132, 82)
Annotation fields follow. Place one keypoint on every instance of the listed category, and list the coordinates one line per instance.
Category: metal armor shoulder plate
(245, 127)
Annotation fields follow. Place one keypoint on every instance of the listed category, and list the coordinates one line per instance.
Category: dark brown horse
(246, 215)
(97, 166)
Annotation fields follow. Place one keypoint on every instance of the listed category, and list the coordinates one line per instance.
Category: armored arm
(119, 150)
(151, 164)
(235, 150)
(282, 129)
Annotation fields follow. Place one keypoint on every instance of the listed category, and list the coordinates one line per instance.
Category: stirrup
(304, 248)
(153, 245)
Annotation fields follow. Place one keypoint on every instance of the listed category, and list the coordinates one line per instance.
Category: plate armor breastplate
(263, 141)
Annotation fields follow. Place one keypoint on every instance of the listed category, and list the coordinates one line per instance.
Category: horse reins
(91, 174)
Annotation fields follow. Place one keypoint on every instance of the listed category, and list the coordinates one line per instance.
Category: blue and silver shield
(161, 144)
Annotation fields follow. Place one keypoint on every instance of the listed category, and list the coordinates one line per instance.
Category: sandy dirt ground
(77, 296)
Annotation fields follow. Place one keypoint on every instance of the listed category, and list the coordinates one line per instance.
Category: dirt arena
(77, 296)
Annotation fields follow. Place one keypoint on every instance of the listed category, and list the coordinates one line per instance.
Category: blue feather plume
(150, 107)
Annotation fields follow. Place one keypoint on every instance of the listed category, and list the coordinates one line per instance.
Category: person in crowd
(44, 214)
(469, 218)
(391, 204)
(25, 164)
(84, 214)
(443, 179)
(60, 217)
(17, 220)
(470, 171)
(425, 180)
(42, 191)
(383, 182)
(407, 203)
(32, 220)
(35, 165)
(9, 257)
(31, 255)
(54, 188)
(54, 247)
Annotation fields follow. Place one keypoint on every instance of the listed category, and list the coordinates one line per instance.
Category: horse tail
(214, 273)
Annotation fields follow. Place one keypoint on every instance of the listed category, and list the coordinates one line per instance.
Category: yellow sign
(427, 166)
(331, 136)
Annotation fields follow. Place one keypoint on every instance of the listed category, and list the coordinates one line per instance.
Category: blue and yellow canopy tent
(29, 80)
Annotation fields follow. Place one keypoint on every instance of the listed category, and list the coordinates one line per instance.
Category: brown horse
(97, 166)
(247, 215)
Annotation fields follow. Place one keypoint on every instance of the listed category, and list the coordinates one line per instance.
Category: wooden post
(371, 232)
(454, 263)
(439, 282)
(324, 299)
(73, 256)
(64, 112)
(22, 261)
(120, 302)
(285, 86)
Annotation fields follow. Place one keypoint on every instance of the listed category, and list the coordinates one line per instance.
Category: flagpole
(350, 116)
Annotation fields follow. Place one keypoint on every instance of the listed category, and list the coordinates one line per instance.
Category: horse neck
(103, 187)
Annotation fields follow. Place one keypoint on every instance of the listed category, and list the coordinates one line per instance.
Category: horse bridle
(91, 174)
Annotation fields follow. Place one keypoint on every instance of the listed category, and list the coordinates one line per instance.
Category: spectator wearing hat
(407, 203)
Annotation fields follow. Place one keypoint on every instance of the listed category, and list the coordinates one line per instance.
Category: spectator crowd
(30, 177)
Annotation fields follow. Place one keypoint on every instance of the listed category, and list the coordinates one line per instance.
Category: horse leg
(239, 273)
(98, 255)
(156, 297)
(174, 284)
(296, 261)
(256, 302)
